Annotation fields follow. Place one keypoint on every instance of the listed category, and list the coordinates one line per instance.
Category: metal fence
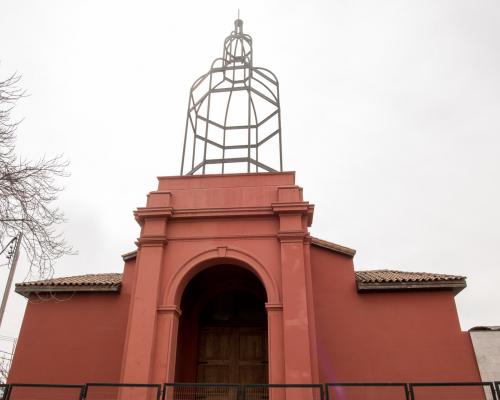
(130, 391)
(376, 390)
(40, 391)
(453, 390)
(282, 392)
(223, 391)
(200, 391)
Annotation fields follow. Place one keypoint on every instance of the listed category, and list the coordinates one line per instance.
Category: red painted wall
(383, 336)
(74, 339)
(390, 336)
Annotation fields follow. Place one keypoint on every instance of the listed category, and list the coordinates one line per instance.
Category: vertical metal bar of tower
(10, 278)
(208, 118)
(279, 124)
(185, 134)
(256, 132)
(256, 124)
(194, 132)
(225, 121)
(249, 120)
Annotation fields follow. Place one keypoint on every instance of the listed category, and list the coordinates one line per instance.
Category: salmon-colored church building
(227, 284)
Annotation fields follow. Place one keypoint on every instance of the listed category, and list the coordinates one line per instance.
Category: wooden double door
(232, 354)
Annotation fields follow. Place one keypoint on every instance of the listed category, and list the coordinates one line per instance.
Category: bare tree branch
(28, 191)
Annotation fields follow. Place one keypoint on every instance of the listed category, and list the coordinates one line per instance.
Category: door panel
(252, 346)
(232, 355)
(215, 344)
(214, 373)
(215, 355)
(249, 374)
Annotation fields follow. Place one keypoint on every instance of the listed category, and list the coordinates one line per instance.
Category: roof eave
(333, 247)
(457, 286)
(26, 291)
(129, 256)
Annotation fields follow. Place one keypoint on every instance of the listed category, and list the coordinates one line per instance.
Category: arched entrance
(223, 328)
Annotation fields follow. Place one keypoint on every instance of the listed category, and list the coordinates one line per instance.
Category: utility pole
(14, 256)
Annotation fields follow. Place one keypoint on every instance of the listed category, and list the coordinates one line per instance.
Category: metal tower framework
(233, 122)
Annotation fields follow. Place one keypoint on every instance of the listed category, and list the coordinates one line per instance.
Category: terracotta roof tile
(385, 279)
(80, 280)
(366, 280)
(387, 275)
(82, 283)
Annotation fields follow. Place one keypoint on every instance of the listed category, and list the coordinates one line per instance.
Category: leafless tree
(7, 349)
(5, 363)
(28, 191)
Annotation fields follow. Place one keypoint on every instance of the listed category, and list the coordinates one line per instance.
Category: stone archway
(218, 256)
(222, 335)
(167, 351)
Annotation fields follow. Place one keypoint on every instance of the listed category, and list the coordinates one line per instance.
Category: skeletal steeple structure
(233, 121)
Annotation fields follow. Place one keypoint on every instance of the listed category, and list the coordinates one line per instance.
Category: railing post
(83, 392)
(412, 394)
(5, 394)
(158, 391)
(164, 391)
(494, 390)
(408, 395)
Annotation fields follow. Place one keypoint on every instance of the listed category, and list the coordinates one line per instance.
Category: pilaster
(137, 362)
(275, 343)
(295, 215)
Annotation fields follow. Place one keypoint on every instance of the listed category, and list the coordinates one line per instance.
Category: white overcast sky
(390, 113)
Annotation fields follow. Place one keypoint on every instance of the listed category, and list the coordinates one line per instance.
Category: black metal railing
(453, 390)
(383, 390)
(281, 392)
(43, 391)
(224, 391)
(201, 391)
(130, 391)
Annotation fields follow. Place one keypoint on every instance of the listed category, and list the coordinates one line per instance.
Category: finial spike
(238, 26)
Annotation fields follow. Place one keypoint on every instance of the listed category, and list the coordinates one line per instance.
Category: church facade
(228, 285)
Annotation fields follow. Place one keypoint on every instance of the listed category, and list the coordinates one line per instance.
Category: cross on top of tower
(233, 121)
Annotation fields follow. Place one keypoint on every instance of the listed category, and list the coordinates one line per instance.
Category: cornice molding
(152, 212)
(152, 241)
(274, 306)
(292, 236)
(299, 207)
(222, 212)
(170, 309)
